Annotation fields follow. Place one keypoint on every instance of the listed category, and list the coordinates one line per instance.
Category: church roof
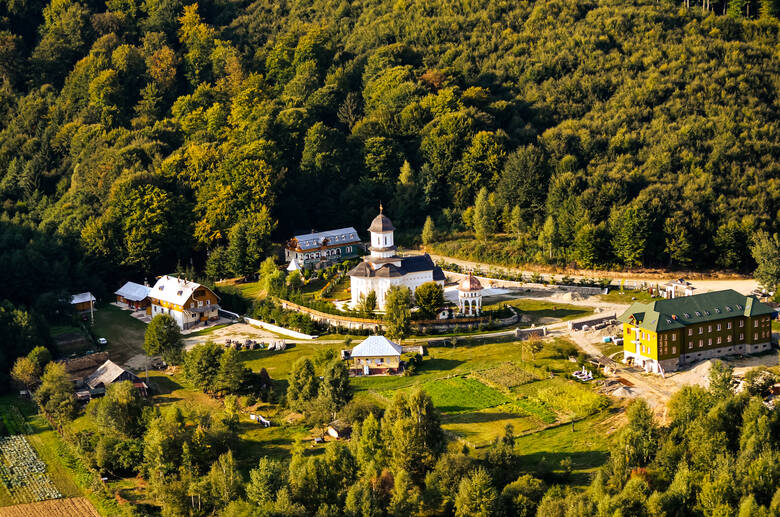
(470, 283)
(376, 346)
(413, 264)
(380, 224)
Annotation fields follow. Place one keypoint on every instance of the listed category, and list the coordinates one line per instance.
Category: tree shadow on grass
(548, 462)
(435, 365)
(477, 417)
(165, 386)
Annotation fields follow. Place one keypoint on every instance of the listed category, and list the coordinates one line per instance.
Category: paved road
(742, 285)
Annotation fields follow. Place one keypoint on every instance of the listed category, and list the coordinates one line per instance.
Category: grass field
(124, 333)
(459, 394)
(627, 296)
(535, 310)
(481, 388)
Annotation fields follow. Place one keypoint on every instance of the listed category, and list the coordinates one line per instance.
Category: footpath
(741, 285)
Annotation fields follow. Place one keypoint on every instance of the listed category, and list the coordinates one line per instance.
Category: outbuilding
(82, 302)
(134, 296)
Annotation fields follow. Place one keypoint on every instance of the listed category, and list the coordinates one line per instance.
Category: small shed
(376, 355)
(82, 302)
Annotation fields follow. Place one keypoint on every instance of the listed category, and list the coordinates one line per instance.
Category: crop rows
(73, 507)
(23, 472)
(508, 375)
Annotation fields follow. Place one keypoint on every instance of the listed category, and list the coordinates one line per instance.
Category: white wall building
(187, 302)
(383, 269)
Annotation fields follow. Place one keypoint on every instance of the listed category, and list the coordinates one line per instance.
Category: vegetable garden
(23, 473)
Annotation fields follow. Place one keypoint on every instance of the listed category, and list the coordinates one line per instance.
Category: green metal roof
(661, 315)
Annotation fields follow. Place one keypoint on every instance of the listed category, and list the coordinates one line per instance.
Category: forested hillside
(146, 134)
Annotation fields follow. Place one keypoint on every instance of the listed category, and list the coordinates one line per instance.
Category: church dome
(381, 223)
(470, 283)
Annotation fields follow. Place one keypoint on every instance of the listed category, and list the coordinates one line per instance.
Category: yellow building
(376, 355)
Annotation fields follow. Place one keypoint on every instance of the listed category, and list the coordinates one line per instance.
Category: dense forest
(138, 136)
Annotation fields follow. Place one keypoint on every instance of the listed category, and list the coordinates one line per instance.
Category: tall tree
(429, 231)
(398, 311)
(484, 221)
(429, 297)
(335, 391)
(766, 253)
(163, 337)
(476, 496)
(55, 394)
(303, 384)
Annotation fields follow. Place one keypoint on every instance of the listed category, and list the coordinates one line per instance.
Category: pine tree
(428, 231)
(476, 496)
(484, 217)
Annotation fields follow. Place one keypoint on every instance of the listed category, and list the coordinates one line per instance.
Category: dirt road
(741, 285)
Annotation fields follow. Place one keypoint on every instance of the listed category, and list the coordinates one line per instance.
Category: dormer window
(739, 307)
(728, 308)
(698, 314)
(687, 315)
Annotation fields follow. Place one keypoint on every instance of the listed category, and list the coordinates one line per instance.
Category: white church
(383, 268)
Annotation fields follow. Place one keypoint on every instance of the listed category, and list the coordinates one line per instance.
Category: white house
(383, 269)
(187, 302)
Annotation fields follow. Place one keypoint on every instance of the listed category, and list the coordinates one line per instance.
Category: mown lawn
(627, 296)
(535, 310)
(124, 333)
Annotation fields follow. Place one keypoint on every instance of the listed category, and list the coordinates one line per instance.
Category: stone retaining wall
(377, 326)
(591, 322)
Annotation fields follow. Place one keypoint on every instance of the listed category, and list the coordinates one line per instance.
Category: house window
(741, 337)
(755, 323)
(674, 349)
(728, 338)
(701, 330)
(709, 342)
(709, 328)
(701, 343)
(718, 327)
(674, 337)
(728, 325)
(690, 332)
(741, 323)
(719, 340)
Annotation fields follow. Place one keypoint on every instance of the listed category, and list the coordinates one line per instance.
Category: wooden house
(109, 373)
(187, 302)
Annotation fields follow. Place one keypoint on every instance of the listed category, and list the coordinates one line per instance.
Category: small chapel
(383, 268)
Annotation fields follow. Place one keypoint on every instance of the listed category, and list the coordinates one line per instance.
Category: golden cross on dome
(380, 207)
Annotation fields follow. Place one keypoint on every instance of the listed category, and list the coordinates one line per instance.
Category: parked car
(102, 341)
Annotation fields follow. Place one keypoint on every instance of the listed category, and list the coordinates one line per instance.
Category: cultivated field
(72, 507)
